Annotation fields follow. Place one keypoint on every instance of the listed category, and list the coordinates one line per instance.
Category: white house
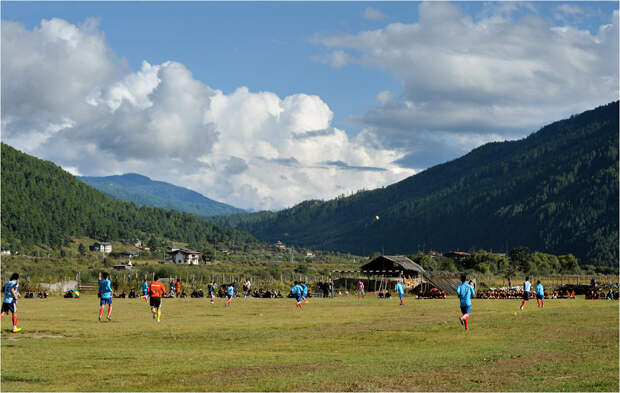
(102, 247)
(184, 257)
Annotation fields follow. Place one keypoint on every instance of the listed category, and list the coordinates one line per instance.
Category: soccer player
(360, 290)
(297, 291)
(465, 292)
(230, 292)
(400, 288)
(304, 292)
(527, 286)
(9, 303)
(105, 295)
(211, 287)
(540, 294)
(144, 287)
(156, 292)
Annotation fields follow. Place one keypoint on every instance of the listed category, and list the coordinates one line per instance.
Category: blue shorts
(106, 301)
(465, 309)
(12, 307)
(145, 292)
(299, 299)
(401, 295)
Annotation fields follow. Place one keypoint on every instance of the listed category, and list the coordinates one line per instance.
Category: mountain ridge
(42, 204)
(554, 191)
(142, 190)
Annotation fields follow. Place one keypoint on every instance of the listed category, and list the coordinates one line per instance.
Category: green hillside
(555, 191)
(44, 205)
(141, 190)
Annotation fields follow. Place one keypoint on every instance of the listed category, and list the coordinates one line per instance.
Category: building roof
(104, 243)
(184, 251)
(458, 253)
(400, 260)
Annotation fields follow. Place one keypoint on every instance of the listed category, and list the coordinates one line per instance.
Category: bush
(483, 268)
(167, 271)
(448, 265)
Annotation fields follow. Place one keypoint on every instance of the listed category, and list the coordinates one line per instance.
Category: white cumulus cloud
(490, 78)
(65, 97)
(373, 14)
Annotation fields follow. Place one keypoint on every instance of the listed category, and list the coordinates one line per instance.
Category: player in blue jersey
(527, 287)
(9, 303)
(540, 294)
(211, 288)
(400, 289)
(144, 288)
(465, 292)
(297, 292)
(230, 293)
(304, 292)
(105, 296)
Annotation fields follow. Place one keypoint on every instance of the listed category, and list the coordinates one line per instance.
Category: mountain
(555, 191)
(44, 205)
(143, 191)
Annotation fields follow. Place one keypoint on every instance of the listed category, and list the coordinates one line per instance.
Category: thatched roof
(387, 262)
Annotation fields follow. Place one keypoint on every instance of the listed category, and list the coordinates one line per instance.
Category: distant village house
(181, 256)
(105, 247)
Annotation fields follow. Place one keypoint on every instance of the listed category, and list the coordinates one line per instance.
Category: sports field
(332, 345)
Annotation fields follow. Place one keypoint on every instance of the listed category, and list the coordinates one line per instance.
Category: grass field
(332, 345)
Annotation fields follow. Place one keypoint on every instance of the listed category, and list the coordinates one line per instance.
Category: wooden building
(394, 265)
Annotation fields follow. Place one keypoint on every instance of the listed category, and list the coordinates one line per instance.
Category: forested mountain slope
(44, 205)
(555, 191)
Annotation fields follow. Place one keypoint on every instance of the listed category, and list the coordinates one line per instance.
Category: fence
(549, 281)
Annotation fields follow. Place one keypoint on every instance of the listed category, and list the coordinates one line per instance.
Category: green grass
(332, 345)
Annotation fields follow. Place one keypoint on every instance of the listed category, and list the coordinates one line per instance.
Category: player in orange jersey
(156, 292)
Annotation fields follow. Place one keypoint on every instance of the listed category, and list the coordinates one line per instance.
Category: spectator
(178, 287)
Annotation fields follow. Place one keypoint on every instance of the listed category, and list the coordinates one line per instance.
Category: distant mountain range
(143, 191)
(555, 191)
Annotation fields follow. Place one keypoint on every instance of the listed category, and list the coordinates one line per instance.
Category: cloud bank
(469, 81)
(66, 98)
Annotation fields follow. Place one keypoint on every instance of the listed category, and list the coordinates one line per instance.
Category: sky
(264, 105)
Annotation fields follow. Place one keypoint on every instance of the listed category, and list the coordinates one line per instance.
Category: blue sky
(397, 86)
(264, 46)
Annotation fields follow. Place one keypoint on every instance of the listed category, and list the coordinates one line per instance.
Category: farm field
(332, 345)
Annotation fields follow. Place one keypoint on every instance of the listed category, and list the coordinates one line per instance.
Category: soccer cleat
(461, 321)
(99, 317)
(16, 330)
(109, 318)
(158, 321)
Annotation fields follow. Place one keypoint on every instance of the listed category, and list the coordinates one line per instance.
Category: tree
(152, 243)
(569, 263)
(82, 249)
(519, 257)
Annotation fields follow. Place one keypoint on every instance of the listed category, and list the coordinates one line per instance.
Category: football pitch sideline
(332, 345)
